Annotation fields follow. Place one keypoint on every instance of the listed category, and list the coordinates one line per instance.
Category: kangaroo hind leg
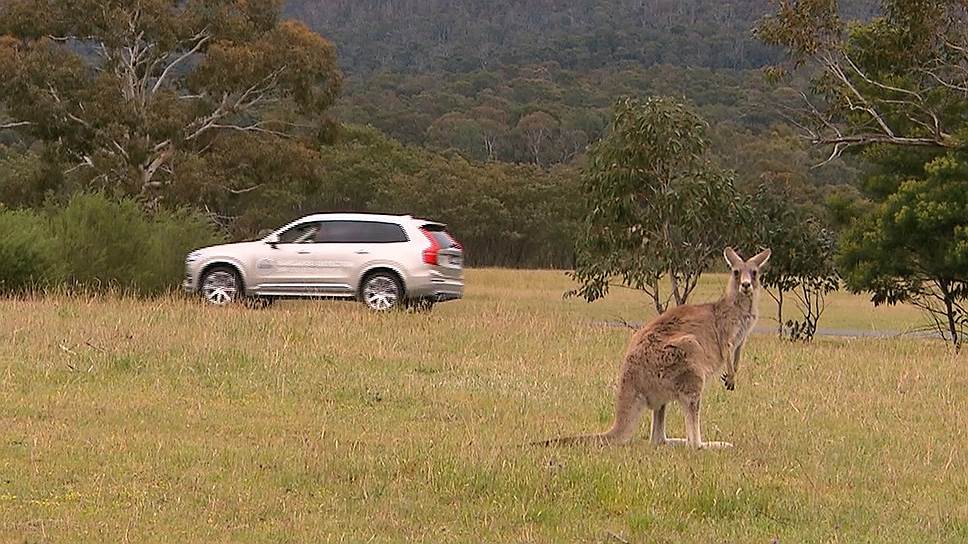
(693, 433)
(659, 437)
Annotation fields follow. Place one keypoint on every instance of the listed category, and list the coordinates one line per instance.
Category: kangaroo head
(745, 275)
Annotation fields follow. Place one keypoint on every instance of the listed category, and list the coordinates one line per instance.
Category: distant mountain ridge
(534, 81)
(464, 35)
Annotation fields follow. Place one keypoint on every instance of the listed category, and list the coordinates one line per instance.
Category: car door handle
(362, 252)
(304, 252)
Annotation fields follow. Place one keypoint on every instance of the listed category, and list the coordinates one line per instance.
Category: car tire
(221, 286)
(381, 291)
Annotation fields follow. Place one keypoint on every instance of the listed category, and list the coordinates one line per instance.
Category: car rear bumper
(445, 296)
(435, 287)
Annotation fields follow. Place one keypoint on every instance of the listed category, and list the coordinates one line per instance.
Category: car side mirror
(273, 241)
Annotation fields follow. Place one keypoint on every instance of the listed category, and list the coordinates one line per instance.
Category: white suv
(382, 260)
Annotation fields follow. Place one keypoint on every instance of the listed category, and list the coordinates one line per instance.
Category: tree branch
(255, 127)
(202, 37)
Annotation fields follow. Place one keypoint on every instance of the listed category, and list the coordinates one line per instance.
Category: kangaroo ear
(761, 258)
(732, 258)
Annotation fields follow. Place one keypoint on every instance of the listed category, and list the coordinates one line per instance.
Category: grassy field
(168, 421)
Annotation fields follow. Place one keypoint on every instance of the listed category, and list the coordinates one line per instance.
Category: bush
(26, 251)
(104, 243)
(174, 233)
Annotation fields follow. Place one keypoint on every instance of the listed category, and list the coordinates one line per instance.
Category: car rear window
(360, 232)
(440, 234)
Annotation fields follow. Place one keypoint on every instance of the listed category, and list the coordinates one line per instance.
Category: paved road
(822, 331)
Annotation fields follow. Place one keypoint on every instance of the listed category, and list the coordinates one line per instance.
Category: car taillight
(430, 254)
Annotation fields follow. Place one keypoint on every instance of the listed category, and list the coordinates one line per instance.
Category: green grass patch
(167, 420)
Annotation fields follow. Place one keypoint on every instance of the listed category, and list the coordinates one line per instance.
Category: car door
(352, 246)
(341, 252)
(290, 264)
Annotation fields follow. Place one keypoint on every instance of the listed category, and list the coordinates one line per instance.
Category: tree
(457, 130)
(656, 206)
(493, 124)
(900, 79)
(125, 91)
(913, 247)
(537, 129)
(895, 87)
(803, 258)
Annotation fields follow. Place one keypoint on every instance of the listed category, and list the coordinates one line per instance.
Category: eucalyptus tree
(126, 91)
(656, 206)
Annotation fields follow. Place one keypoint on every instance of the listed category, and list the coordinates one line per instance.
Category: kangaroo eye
(735, 273)
(753, 274)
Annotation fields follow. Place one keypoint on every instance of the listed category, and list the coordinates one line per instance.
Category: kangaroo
(672, 357)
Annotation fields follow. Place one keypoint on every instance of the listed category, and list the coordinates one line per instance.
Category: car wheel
(221, 285)
(381, 292)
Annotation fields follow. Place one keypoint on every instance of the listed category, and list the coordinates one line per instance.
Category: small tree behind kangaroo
(656, 206)
(803, 262)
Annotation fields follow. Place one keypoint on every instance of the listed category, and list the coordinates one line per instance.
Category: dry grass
(170, 421)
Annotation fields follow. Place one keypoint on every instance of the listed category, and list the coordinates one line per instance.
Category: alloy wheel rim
(381, 293)
(220, 288)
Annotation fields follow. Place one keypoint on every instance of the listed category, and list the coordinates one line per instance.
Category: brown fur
(673, 356)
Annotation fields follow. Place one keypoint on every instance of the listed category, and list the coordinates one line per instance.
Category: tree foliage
(504, 215)
(456, 36)
(896, 87)
(656, 206)
(899, 79)
(803, 262)
(488, 108)
(913, 246)
(125, 92)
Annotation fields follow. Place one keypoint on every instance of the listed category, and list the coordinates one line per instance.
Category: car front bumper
(190, 281)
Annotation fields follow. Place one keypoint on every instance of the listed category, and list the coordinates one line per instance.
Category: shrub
(174, 233)
(26, 251)
(105, 243)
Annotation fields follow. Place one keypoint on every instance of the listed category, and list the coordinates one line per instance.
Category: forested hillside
(483, 110)
(420, 36)
(534, 81)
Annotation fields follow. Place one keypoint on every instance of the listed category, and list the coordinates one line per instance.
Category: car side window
(303, 233)
(360, 232)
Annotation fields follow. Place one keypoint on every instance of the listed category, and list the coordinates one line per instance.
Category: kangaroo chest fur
(737, 319)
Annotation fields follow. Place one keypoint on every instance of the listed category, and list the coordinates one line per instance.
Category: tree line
(570, 148)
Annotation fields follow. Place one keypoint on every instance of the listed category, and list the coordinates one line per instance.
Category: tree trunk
(949, 310)
(779, 312)
(674, 280)
(952, 326)
(657, 298)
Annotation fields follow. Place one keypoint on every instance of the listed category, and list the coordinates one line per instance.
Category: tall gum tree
(896, 87)
(124, 91)
(899, 79)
